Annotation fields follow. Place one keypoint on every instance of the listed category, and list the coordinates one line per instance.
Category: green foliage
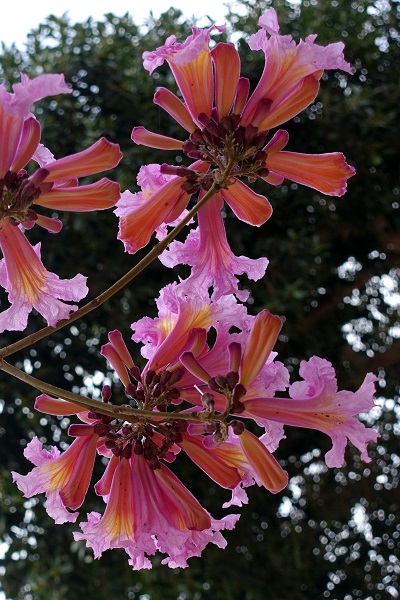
(334, 274)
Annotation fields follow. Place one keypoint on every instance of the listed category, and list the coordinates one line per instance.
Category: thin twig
(116, 412)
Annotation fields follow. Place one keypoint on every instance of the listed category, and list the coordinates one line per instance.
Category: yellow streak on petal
(24, 269)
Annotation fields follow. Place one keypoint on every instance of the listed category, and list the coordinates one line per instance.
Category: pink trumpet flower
(149, 510)
(30, 285)
(213, 263)
(316, 403)
(63, 477)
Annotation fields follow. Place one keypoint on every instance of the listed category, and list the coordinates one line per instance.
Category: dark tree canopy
(334, 275)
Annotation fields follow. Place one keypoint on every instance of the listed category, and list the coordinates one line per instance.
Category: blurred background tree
(334, 275)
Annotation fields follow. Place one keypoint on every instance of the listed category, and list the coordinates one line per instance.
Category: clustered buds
(154, 389)
(230, 387)
(222, 142)
(17, 192)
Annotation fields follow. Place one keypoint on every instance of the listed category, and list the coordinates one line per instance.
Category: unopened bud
(127, 451)
(232, 379)
(165, 376)
(110, 444)
(237, 407)
(130, 390)
(140, 397)
(154, 463)
(94, 415)
(239, 392)
(106, 393)
(158, 390)
(100, 428)
(149, 377)
(213, 385)
(237, 427)
(138, 447)
(135, 372)
(173, 394)
(208, 401)
(126, 430)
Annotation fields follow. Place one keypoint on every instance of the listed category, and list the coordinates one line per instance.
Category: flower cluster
(54, 185)
(211, 378)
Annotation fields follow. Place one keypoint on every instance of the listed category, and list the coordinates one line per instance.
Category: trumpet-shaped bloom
(291, 73)
(316, 403)
(63, 477)
(18, 131)
(165, 337)
(191, 65)
(137, 217)
(54, 185)
(149, 510)
(30, 285)
(213, 263)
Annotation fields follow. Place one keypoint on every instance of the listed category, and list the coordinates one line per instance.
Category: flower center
(17, 192)
(225, 145)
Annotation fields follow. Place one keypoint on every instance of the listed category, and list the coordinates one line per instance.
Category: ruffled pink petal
(269, 21)
(190, 63)
(207, 251)
(167, 335)
(287, 65)
(148, 511)
(19, 102)
(315, 403)
(43, 156)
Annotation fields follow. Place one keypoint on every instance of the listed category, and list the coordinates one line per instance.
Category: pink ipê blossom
(151, 510)
(213, 263)
(316, 403)
(30, 285)
(64, 478)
